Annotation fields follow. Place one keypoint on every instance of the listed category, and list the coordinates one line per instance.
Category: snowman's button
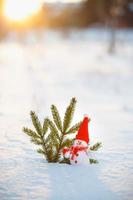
(76, 161)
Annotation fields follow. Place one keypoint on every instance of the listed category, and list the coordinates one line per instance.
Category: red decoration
(83, 133)
(74, 151)
(80, 145)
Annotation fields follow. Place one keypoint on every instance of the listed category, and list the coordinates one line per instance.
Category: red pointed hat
(83, 133)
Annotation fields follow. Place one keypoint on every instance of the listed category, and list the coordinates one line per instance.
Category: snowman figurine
(78, 152)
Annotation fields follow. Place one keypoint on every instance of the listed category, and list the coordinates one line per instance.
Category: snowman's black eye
(75, 161)
(77, 154)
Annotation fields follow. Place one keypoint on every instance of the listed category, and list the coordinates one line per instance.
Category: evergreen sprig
(74, 128)
(45, 126)
(54, 130)
(37, 136)
(36, 123)
(56, 117)
(67, 143)
(58, 128)
(69, 114)
(52, 135)
(52, 143)
(30, 132)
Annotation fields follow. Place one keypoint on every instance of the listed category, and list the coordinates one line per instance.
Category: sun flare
(19, 10)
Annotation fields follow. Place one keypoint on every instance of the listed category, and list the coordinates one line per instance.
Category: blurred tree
(87, 12)
(1, 10)
(115, 12)
(2, 24)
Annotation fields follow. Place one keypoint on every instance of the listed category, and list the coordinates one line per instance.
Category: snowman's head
(80, 143)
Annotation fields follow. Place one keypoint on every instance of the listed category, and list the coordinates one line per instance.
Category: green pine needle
(96, 146)
(67, 143)
(69, 115)
(56, 117)
(74, 128)
(53, 129)
(45, 126)
(41, 151)
(36, 141)
(36, 123)
(30, 133)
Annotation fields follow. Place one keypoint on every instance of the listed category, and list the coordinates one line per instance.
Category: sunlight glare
(19, 10)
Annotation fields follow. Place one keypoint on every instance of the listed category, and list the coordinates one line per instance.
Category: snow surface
(37, 72)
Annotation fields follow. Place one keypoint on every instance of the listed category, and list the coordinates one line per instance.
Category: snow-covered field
(35, 74)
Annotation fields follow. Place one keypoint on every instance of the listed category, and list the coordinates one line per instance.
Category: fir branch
(67, 120)
(47, 139)
(45, 126)
(54, 139)
(58, 153)
(44, 148)
(74, 128)
(56, 117)
(67, 143)
(36, 141)
(30, 133)
(41, 151)
(57, 146)
(93, 161)
(50, 152)
(53, 129)
(96, 146)
(69, 114)
(36, 123)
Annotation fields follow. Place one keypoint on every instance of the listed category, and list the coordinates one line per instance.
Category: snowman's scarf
(74, 150)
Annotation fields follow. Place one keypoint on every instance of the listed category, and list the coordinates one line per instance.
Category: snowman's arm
(96, 146)
(93, 161)
(65, 160)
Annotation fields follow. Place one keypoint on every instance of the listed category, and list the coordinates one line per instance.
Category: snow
(36, 72)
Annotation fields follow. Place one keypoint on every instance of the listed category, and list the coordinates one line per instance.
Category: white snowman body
(81, 156)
